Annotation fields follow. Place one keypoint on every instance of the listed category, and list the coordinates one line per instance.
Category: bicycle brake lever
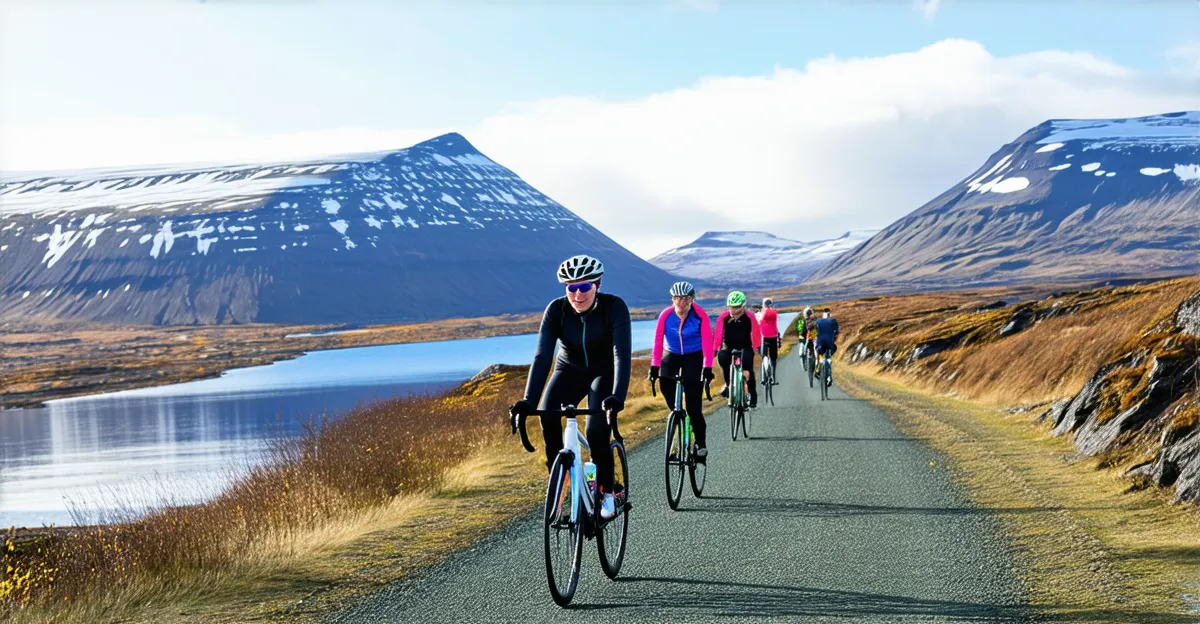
(524, 434)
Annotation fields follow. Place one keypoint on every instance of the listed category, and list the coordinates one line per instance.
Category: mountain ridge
(389, 236)
(1067, 199)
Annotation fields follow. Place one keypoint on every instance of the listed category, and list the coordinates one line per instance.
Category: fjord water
(182, 443)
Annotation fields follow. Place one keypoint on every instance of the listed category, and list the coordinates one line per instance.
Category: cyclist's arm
(706, 342)
(622, 346)
(755, 334)
(656, 355)
(719, 336)
(544, 355)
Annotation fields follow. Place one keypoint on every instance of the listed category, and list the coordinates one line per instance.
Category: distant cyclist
(594, 362)
(827, 333)
(737, 332)
(683, 328)
(804, 327)
(768, 325)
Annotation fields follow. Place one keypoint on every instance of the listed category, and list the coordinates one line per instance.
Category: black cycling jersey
(596, 343)
(737, 333)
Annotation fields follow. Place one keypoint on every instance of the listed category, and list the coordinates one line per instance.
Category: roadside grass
(357, 504)
(1050, 360)
(1090, 547)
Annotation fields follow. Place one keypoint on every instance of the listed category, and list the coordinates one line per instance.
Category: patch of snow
(1110, 174)
(450, 200)
(1010, 185)
(25, 295)
(3, 247)
(444, 161)
(301, 227)
(1099, 172)
(1090, 167)
(395, 204)
(88, 221)
(90, 239)
(123, 243)
(1153, 171)
(975, 184)
(339, 225)
(373, 222)
(331, 206)
(1060, 167)
(60, 242)
(1049, 148)
(164, 239)
(1156, 129)
(144, 238)
(1187, 173)
(483, 197)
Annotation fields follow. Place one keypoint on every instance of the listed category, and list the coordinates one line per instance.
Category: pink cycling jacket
(683, 335)
(768, 323)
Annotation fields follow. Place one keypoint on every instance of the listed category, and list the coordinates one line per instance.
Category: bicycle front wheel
(698, 472)
(676, 456)
(562, 537)
(733, 420)
(611, 537)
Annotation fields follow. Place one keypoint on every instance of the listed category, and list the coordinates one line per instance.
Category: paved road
(827, 514)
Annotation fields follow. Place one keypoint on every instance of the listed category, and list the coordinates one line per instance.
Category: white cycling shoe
(608, 508)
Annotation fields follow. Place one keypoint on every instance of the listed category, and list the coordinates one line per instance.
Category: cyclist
(594, 360)
(768, 325)
(827, 333)
(683, 328)
(804, 326)
(737, 332)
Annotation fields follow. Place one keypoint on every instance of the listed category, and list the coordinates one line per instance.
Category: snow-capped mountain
(754, 259)
(433, 231)
(1070, 198)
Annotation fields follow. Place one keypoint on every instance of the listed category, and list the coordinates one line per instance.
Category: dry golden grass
(1051, 360)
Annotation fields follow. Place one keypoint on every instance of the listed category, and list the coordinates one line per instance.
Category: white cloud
(927, 7)
(806, 153)
(1185, 59)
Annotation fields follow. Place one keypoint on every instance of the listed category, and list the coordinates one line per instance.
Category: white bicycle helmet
(580, 268)
(767, 301)
(683, 289)
(808, 312)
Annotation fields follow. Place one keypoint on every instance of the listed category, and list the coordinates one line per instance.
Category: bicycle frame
(573, 440)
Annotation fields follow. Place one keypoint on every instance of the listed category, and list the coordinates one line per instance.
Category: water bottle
(589, 474)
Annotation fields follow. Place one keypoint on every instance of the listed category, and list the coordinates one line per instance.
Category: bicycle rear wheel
(562, 537)
(676, 455)
(745, 418)
(812, 371)
(610, 540)
(824, 381)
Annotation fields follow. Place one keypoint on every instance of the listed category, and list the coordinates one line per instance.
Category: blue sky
(71, 73)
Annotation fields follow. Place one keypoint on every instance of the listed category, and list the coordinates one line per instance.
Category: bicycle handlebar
(567, 410)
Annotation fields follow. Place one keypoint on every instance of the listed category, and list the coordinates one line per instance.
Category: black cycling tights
(725, 357)
(570, 387)
(692, 367)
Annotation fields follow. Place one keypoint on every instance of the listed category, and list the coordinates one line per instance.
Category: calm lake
(183, 443)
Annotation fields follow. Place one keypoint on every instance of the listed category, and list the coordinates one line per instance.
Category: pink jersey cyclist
(683, 331)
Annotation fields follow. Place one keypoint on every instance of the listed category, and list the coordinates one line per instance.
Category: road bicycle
(826, 374)
(768, 375)
(739, 401)
(681, 447)
(572, 508)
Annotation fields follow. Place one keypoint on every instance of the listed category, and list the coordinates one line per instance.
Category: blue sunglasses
(584, 287)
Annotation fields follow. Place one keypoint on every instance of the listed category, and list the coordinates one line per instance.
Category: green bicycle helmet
(736, 299)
